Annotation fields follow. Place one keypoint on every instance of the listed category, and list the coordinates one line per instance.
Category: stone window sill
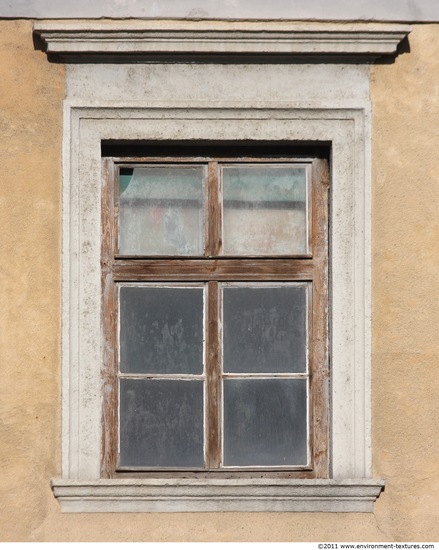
(217, 495)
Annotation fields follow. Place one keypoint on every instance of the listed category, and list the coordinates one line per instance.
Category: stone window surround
(347, 128)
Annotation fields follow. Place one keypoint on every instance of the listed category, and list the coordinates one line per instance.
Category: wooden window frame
(212, 269)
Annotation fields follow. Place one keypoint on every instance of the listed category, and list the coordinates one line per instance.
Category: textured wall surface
(405, 290)
(31, 91)
(405, 99)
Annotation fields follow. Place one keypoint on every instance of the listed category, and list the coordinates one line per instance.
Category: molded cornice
(210, 495)
(154, 40)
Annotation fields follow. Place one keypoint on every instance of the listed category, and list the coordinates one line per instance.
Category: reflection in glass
(161, 210)
(265, 209)
(161, 330)
(161, 423)
(264, 329)
(265, 422)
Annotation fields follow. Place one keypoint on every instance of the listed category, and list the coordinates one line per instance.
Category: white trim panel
(348, 131)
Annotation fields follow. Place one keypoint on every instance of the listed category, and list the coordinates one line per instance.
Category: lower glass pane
(265, 422)
(161, 423)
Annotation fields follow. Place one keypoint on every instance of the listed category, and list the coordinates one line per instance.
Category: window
(215, 315)
(224, 99)
(90, 484)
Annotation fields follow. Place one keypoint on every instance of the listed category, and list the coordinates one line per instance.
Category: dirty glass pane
(161, 330)
(161, 423)
(265, 210)
(264, 329)
(161, 210)
(265, 422)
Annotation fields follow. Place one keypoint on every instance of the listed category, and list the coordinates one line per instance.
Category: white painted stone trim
(154, 37)
(348, 131)
(215, 495)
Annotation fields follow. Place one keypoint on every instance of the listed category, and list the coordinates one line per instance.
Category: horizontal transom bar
(214, 269)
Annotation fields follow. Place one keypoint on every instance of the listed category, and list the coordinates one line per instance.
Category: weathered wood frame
(213, 269)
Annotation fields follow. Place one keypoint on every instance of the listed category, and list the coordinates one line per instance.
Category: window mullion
(213, 378)
(214, 212)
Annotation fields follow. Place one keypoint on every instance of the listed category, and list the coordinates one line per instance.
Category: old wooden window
(215, 315)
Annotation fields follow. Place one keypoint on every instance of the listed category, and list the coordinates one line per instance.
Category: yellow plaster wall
(405, 317)
(31, 91)
(405, 325)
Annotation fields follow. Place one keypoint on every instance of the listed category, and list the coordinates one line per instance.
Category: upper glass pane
(161, 210)
(264, 209)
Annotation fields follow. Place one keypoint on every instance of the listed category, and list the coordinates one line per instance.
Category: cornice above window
(166, 40)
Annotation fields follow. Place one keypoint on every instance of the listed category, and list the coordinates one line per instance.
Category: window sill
(214, 495)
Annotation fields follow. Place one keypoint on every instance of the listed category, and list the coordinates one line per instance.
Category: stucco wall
(405, 293)
(31, 91)
(405, 316)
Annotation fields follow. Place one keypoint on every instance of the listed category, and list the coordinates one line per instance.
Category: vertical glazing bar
(214, 240)
(213, 378)
(206, 212)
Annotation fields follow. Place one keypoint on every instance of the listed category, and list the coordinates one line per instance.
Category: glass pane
(161, 210)
(265, 210)
(265, 422)
(264, 329)
(161, 423)
(161, 330)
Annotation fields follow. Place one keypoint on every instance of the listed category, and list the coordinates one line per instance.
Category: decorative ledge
(200, 40)
(217, 495)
